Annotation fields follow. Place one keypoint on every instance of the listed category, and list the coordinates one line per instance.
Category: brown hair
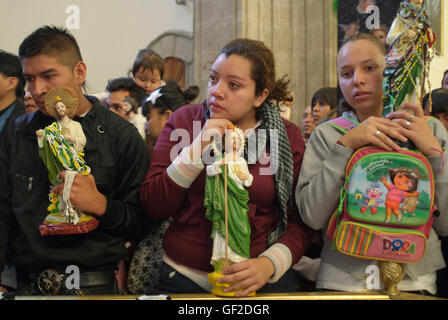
(148, 59)
(263, 67)
(343, 104)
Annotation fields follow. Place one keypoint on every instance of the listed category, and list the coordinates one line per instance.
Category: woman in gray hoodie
(360, 65)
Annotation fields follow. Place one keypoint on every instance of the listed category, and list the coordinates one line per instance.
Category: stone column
(301, 33)
(215, 24)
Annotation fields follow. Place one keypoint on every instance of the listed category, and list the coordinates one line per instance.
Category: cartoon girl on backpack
(404, 185)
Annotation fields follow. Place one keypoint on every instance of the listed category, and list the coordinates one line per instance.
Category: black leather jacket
(118, 158)
(19, 109)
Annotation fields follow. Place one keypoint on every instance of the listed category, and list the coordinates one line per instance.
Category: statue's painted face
(60, 108)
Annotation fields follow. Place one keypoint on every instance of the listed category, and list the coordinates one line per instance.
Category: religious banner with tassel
(411, 48)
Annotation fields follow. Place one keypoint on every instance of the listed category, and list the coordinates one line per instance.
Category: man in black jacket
(11, 89)
(118, 158)
(11, 106)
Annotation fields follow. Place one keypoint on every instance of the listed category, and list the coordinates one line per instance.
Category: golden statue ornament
(391, 273)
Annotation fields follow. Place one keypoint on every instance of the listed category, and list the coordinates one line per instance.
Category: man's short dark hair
(54, 42)
(120, 84)
(10, 67)
(126, 84)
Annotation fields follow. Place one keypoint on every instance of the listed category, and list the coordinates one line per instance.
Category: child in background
(161, 104)
(147, 72)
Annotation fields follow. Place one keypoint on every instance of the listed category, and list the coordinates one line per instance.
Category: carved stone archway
(177, 48)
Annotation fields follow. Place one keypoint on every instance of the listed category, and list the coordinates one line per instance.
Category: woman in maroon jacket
(241, 87)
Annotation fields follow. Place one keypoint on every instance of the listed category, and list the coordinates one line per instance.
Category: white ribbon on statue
(71, 216)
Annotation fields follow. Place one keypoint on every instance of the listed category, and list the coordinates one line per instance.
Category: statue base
(55, 224)
(391, 273)
(218, 288)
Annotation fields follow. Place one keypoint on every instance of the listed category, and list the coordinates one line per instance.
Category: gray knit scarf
(280, 157)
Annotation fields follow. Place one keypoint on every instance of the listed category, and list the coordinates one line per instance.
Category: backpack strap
(343, 124)
(429, 118)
